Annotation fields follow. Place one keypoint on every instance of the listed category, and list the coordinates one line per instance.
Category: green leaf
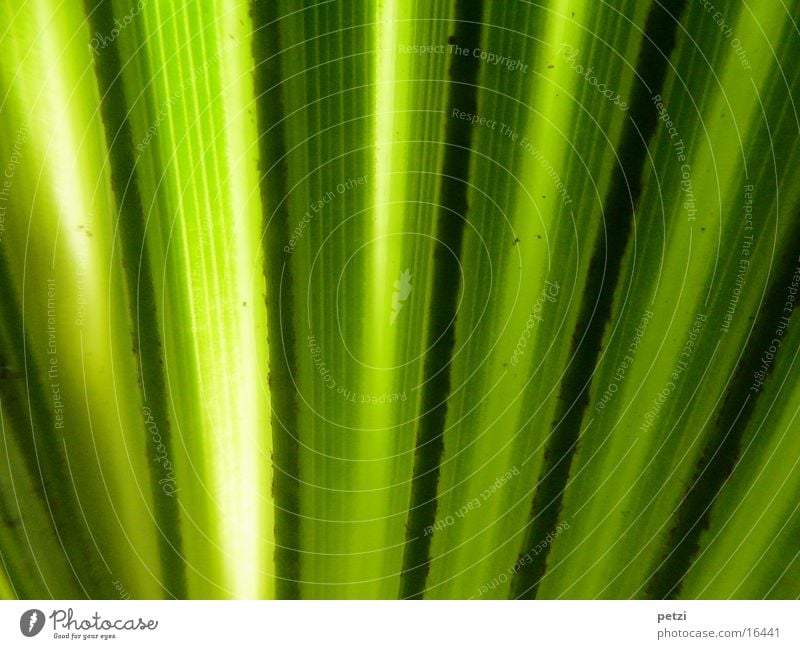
(70, 392)
(525, 268)
(187, 74)
(386, 299)
(697, 270)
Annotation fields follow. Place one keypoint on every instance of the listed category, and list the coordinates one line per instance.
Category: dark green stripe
(27, 415)
(446, 283)
(280, 295)
(141, 293)
(723, 449)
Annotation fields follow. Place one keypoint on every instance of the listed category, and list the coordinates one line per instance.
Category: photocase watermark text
(570, 55)
(100, 41)
(168, 481)
(548, 294)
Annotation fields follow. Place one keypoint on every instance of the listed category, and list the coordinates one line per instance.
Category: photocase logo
(402, 289)
(31, 622)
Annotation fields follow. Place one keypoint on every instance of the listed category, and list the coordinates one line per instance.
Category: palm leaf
(385, 299)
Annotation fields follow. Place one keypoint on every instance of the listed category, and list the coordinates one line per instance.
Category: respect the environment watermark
(525, 144)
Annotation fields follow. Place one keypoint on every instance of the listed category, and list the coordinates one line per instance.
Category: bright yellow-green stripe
(62, 191)
(199, 180)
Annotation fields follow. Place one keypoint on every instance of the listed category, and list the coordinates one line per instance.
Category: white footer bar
(386, 625)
